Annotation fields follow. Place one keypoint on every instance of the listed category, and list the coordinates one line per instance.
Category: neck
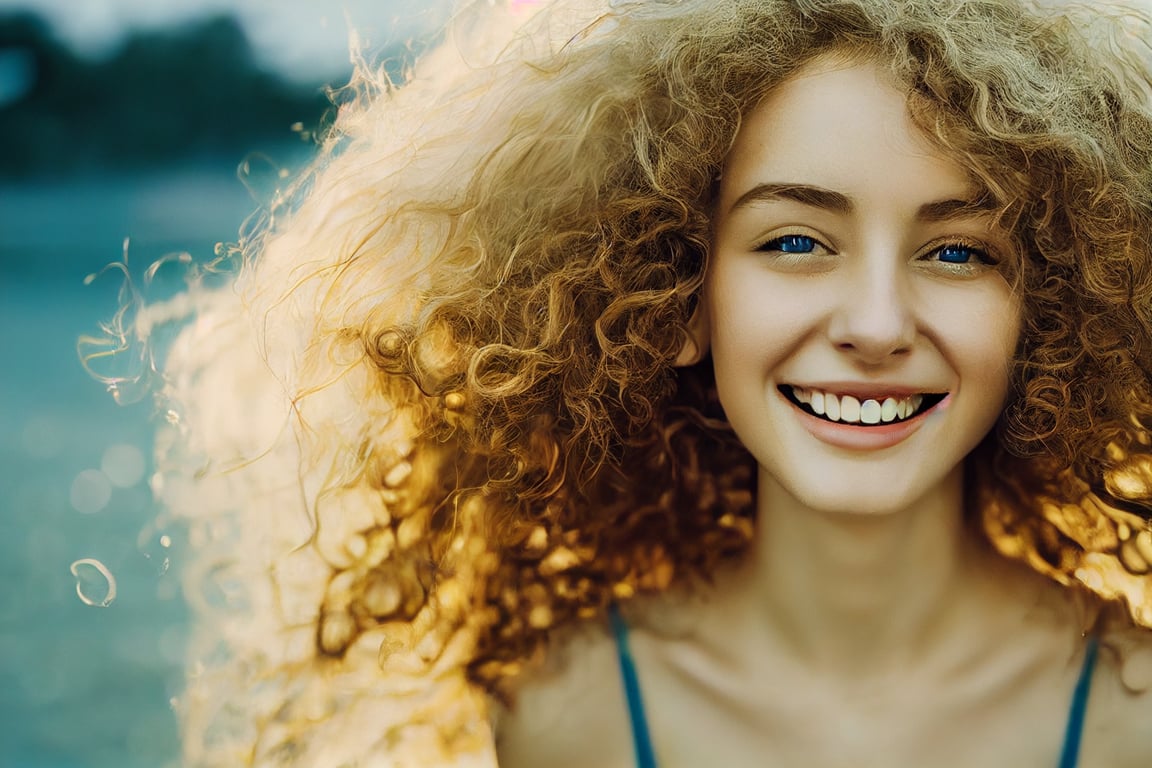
(848, 592)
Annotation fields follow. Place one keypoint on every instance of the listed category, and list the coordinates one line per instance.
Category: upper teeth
(849, 409)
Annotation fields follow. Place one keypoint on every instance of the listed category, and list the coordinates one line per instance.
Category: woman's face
(861, 330)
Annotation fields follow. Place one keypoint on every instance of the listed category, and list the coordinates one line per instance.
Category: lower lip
(863, 438)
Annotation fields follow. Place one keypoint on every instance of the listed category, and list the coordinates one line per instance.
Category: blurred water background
(83, 684)
(140, 143)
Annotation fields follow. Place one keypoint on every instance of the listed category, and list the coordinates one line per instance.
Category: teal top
(642, 739)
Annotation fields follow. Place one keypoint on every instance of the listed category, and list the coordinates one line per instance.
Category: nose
(873, 318)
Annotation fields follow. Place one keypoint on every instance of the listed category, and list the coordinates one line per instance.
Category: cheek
(750, 314)
(979, 332)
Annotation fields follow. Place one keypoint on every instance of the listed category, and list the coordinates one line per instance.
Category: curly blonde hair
(439, 418)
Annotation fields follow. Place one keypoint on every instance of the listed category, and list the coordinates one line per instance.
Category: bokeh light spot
(91, 491)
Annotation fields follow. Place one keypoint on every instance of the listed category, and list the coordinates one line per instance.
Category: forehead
(842, 126)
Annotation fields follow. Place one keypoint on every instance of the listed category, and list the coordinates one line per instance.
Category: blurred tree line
(164, 96)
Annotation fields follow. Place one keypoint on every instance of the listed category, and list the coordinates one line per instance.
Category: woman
(727, 383)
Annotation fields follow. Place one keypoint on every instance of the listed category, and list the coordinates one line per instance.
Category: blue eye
(955, 254)
(790, 244)
(958, 253)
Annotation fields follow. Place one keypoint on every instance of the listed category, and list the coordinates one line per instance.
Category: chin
(868, 492)
(854, 505)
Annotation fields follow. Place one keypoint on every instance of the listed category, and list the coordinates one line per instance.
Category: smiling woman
(850, 267)
(708, 382)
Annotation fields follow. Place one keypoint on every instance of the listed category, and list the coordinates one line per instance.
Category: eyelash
(980, 255)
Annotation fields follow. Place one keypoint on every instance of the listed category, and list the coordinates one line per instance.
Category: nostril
(874, 352)
(873, 327)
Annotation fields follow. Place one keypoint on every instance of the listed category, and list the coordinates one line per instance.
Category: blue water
(84, 684)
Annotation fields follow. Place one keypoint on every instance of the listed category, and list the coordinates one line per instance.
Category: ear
(699, 332)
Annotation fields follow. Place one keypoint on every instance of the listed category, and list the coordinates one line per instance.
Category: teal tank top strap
(1070, 753)
(641, 739)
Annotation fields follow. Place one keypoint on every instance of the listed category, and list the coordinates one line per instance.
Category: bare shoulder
(1121, 702)
(571, 712)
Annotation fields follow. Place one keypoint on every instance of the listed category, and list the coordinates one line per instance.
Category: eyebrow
(837, 202)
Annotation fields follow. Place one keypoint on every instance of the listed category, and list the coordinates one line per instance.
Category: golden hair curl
(463, 428)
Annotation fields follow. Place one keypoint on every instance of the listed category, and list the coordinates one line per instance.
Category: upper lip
(867, 390)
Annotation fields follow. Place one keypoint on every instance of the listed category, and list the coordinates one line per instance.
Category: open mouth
(847, 409)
